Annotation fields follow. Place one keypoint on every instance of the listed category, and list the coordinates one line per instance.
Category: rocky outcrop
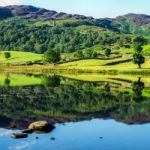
(42, 126)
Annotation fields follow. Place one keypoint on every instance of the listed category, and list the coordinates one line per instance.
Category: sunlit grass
(19, 57)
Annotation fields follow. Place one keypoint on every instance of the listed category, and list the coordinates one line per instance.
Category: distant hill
(134, 23)
(27, 11)
(129, 23)
(138, 19)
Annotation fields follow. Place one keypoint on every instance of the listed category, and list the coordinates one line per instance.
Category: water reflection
(138, 87)
(53, 81)
(63, 99)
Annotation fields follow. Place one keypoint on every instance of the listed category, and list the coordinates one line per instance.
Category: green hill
(28, 32)
(31, 29)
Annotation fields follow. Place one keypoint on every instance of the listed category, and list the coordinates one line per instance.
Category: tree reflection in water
(69, 99)
(137, 88)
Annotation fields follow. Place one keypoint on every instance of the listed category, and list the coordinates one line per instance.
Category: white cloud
(8, 2)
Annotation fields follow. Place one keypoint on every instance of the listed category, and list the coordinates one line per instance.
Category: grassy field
(94, 64)
(17, 57)
(121, 64)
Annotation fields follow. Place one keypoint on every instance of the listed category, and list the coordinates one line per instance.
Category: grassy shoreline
(24, 62)
(40, 69)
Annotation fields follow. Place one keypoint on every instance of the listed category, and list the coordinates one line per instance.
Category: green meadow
(121, 64)
(17, 57)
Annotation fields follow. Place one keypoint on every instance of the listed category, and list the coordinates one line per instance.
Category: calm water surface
(108, 113)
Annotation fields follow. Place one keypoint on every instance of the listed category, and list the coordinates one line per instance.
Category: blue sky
(96, 8)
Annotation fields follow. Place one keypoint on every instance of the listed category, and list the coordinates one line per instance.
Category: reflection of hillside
(19, 80)
(75, 100)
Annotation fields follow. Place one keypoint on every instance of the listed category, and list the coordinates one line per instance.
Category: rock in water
(19, 135)
(28, 131)
(42, 126)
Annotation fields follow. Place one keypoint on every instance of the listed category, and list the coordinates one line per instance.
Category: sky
(95, 8)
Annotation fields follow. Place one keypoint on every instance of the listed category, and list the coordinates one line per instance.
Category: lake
(90, 111)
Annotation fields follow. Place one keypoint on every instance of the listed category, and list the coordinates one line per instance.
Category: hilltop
(27, 11)
(31, 12)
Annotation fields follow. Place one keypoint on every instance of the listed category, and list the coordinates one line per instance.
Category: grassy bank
(122, 65)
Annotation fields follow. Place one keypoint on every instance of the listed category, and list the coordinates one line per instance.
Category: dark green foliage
(138, 59)
(79, 54)
(138, 47)
(51, 56)
(7, 82)
(51, 82)
(74, 100)
(94, 54)
(140, 40)
(22, 35)
(107, 52)
(7, 55)
(138, 87)
(88, 53)
(5, 13)
(106, 88)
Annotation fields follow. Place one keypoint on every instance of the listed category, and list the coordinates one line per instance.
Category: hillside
(135, 24)
(129, 23)
(35, 30)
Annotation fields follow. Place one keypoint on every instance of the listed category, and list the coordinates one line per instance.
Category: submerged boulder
(42, 126)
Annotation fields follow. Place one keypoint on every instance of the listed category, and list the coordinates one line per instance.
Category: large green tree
(51, 56)
(7, 55)
(138, 57)
(107, 52)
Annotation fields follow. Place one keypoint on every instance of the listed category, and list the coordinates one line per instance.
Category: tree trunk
(139, 66)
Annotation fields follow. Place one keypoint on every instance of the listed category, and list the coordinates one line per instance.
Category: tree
(138, 58)
(88, 53)
(53, 81)
(51, 56)
(40, 48)
(140, 40)
(79, 54)
(106, 87)
(138, 47)
(94, 54)
(137, 88)
(7, 82)
(7, 55)
(107, 52)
